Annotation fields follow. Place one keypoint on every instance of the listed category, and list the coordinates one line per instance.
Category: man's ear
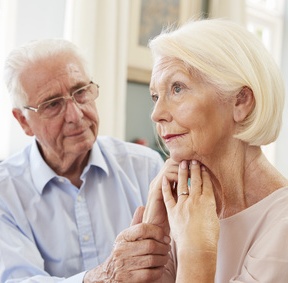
(22, 121)
(244, 104)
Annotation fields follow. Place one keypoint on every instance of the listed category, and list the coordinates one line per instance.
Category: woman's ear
(22, 121)
(244, 104)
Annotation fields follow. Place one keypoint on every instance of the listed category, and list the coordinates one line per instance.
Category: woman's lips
(171, 137)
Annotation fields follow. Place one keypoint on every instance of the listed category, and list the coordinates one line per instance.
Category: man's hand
(139, 255)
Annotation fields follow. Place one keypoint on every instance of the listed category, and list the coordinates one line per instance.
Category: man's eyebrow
(50, 97)
(78, 85)
(72, 89)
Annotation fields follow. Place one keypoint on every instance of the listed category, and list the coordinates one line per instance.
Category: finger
(141, 262)
(207, 184)
(143, 231)
(138, 215)
(132, 276)
(182, 186)
(140, 248)
(130, 269)
(170, 170)
(167, 194)
(195, 178)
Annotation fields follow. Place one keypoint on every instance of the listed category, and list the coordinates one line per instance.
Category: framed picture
(147, 19)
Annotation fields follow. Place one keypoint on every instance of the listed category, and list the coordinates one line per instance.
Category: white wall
(99, 28)
(281, 149)
(34, 19)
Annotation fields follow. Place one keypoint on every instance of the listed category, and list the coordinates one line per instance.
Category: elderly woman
(218, 97)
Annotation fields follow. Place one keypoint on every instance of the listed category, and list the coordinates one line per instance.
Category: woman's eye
(154, 97)
(176, 88)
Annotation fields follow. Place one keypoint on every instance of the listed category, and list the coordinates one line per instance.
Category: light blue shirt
(51, 231)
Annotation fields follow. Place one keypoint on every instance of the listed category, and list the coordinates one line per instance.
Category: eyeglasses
(56, 106)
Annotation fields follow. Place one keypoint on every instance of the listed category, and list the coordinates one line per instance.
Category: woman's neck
(244, 180)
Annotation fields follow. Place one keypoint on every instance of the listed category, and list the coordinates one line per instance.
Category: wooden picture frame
(147, 18)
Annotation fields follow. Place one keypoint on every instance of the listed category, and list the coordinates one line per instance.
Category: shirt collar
(41, 173)
(96, 159)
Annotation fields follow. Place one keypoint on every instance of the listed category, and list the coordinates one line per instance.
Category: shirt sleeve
(20, 260)
(78, 278)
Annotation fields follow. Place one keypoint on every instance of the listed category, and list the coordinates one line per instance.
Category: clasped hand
(139, 255)
(192, 216)
(188, 210)
(141, 251)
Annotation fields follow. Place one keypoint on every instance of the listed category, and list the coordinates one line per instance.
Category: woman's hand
(193, 222)
(155, 211)
(192, 218)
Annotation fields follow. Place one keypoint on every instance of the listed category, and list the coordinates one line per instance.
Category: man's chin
(82, 146)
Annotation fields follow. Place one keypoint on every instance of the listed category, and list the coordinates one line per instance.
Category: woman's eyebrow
(151, 89)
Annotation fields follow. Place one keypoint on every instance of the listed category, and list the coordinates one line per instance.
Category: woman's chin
(178, 157)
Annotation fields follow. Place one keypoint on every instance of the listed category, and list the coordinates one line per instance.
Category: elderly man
(66, 197)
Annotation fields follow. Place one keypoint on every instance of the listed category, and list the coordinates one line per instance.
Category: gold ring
(183, 194)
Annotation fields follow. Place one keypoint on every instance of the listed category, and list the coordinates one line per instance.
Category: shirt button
(86, 238)
(61, 180)
(79, 198)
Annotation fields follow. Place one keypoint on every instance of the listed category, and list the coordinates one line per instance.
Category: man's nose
(73, 113)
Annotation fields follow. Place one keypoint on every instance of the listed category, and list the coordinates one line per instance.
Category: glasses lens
(86, 94)
(52, 107)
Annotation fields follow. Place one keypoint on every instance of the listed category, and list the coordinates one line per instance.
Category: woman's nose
(161, 111)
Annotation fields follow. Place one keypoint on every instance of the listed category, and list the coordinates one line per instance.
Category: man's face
(72, 132)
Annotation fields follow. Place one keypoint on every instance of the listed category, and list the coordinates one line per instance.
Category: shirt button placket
(86, 239)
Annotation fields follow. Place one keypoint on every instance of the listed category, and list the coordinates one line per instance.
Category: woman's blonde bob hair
(229, 57)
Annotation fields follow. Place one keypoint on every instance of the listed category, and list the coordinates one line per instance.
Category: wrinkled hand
(139, 255)
(155, 211)
(193, 219)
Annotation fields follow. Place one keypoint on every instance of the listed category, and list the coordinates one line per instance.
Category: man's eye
(49, 105)
(154, 97)
(80, 92)
(53, 104)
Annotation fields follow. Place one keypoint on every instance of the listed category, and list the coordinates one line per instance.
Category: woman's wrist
(197, 265)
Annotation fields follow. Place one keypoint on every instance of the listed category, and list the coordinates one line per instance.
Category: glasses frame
(36, 109)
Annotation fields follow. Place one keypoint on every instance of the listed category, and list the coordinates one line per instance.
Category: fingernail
(203, 168)
(194, 162)
(183, 164)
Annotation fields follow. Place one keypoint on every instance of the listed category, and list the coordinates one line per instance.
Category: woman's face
(191, 118)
